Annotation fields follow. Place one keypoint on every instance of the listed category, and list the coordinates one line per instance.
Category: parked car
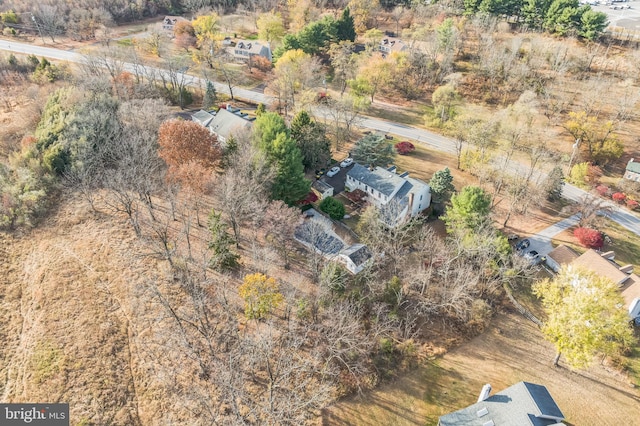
(523, 244)
(513, 237)
(533, 257)
(347, 162)
(389, 137)
(334, 171)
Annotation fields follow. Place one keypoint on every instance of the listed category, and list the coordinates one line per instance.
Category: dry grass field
(511, 350)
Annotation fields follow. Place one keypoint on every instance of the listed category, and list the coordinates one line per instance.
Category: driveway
(541, 242)
(338, 180)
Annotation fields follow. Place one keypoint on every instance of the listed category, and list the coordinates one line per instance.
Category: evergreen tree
(261, 109)
(311, 138)
(289, 184)
(223, 258)
(553, 184)
(441, 184)
(374, 150)
(210, 96)
(265, 130)
(345, 27)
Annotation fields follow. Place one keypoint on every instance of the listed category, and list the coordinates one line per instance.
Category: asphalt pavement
(433, 140)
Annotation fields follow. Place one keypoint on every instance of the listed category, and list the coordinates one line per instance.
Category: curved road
(435, 141)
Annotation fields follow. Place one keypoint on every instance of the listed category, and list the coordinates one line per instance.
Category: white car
(347, 162)
(334, 171)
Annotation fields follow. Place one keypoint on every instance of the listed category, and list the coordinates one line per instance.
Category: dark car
(513, 237)
(523, 244)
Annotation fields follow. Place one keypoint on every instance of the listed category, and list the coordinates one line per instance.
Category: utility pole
(575, 147)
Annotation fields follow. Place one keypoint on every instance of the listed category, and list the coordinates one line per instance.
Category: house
(391, 44)
(519, 405)
(560, 256)
(228, 121)
(632, 171)
(169, 22)
(203, 118)
(604, 265)
(355, 258)
(244, 50)
(398, 196)
(323, 189)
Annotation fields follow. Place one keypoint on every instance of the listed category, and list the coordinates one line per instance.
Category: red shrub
(404, 148)
(589, 238)
(632, 204)
(262, 63)
(310, 198)
(603, 190)
(618, 197)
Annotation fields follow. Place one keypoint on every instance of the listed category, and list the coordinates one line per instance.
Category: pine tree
(223, 258)
(210, 96)
(441, 184)
(345, 26)
(289, 185)
(553, 184)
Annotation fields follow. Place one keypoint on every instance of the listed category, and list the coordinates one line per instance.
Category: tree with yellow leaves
(261, 295)
(585, 316)
(596, 137)
(363, 12)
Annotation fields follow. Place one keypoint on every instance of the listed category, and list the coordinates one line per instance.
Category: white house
(632, 171)
(391, 44)
(244, 50)
(223, 123)
(169, 22)
(399, 195)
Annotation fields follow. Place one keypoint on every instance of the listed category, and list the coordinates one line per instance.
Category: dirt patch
(511, 350)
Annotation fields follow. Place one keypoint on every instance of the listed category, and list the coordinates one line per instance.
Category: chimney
(484, 393)
(627, 269)
(411, 196)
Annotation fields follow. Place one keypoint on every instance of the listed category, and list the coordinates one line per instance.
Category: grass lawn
(411, 115)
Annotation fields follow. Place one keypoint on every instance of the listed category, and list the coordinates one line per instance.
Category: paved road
(435, 141)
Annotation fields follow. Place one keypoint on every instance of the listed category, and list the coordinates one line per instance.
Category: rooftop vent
(484, 393)
(627, 269)
(482, 412)
(609, 255)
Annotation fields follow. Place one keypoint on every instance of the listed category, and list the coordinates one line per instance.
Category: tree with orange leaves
(182, 142)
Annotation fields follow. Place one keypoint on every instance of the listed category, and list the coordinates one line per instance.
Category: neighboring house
(560, 256)
(169, 22)
(246, 49)
(391, 44)
(604, 265)
(399, 196)
(355, 258)
(316, 233)
(632, 171)
(519, 405)
(203, 118)
(323, 189)
(227, 122)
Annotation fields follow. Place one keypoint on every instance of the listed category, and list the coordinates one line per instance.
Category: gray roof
(380, 179)
(202, 117)
(633, 166)
(519, 405)
(226, 122)
(321, 186)
(358, 253)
